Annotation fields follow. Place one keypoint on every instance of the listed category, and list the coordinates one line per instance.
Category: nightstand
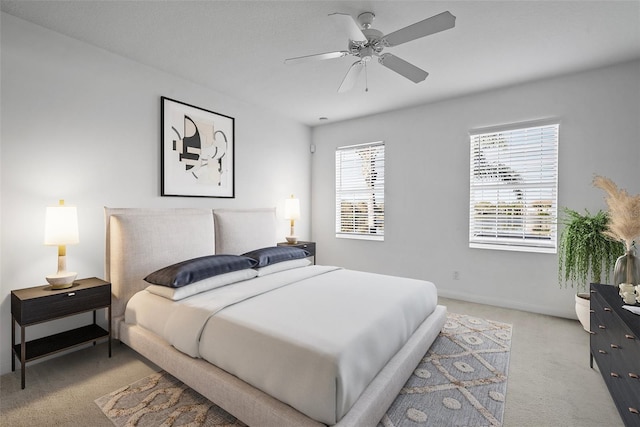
(42, 304)
(307, 246)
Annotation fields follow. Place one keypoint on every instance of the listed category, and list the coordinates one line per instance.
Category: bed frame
(139, 241)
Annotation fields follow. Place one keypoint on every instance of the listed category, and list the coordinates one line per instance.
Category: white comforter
(312, 337)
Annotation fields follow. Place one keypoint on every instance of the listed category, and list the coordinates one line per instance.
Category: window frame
(526, 220)
(375, 213)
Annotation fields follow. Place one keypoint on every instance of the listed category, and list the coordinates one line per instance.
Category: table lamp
(61, 229)
(292, 212)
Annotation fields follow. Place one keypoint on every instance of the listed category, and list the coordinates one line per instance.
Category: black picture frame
(197, 151)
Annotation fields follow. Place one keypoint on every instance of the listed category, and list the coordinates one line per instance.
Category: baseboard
(504, 303)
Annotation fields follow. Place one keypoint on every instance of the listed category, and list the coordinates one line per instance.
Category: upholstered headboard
(140, 241)
(243, 230)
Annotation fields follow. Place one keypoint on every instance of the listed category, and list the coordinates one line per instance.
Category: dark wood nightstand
(307, 246)
(42, 304)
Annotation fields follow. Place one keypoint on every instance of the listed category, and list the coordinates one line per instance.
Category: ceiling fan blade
(352, 75)
(402, 67)
(319, 56)
(435, 24)
(350, 25)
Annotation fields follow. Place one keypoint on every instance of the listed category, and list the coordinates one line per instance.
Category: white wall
(427, 183)
(82, 124)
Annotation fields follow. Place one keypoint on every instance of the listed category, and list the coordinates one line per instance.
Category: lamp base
(62, 279)
(292, 240)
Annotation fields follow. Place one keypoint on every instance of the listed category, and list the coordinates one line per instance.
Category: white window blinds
(513, 191)
(360, 191)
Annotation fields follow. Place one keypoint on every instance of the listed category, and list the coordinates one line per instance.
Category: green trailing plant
(585, 252)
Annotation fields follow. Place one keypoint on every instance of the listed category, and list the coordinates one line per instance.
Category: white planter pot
(583, 305)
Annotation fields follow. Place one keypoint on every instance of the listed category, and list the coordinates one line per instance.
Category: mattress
(312, 337)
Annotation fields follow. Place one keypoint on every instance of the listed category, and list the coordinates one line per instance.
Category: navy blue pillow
(275, 254)
(196, 269)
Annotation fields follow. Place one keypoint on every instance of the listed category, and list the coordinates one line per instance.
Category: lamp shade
(61, 225)
(292, 208)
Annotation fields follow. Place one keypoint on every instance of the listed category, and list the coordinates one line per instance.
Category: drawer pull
(602, 327)
(634, 376)
(615, 346)
(592, 311)
(614, 375)
(602, 352)
(634, 411)
(629, 337)
(592, 333)
(607, 309)
(593, 292)
(70, 294)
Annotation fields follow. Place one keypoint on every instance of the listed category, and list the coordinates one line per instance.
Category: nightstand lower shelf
(45, 346)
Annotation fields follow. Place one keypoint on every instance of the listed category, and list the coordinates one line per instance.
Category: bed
(278, 342)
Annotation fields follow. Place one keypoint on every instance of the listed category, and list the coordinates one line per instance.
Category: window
(513, 191)
(360, 191)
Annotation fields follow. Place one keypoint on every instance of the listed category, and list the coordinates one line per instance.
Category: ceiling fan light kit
(366, 42)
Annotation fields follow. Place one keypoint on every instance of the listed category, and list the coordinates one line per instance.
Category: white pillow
(281, 266)
(183, 292)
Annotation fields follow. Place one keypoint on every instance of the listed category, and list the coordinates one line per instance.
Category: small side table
(39, 304)
(307, 246)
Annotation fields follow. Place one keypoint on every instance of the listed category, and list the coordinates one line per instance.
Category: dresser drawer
(626, 395)
(602, 332)
(59, 304)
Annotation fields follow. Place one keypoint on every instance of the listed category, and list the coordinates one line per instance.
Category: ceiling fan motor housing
(366, 49)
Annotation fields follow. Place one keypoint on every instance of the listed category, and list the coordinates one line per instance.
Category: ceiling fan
(366, 42)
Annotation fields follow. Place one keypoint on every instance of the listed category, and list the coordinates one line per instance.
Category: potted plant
(586, 255)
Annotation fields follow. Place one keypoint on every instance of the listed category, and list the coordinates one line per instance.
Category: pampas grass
(624, 212)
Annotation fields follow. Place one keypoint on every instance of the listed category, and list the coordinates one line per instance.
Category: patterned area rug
(461, 381)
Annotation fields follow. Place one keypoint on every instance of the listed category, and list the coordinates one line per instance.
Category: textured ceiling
(238, 47)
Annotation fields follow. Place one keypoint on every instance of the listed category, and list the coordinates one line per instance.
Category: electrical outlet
(456, 275)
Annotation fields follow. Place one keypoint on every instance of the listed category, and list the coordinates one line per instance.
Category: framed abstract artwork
(197, 153)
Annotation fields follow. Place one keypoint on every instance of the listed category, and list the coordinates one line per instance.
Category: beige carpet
(462, 380)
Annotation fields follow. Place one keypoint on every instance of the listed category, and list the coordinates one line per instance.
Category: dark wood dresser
(615, 345)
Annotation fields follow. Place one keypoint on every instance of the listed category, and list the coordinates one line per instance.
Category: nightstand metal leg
(109, 328)
(94, 322)
(23, 354)
(13, 343)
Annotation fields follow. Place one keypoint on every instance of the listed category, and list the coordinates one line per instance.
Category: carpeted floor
(462, 380)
